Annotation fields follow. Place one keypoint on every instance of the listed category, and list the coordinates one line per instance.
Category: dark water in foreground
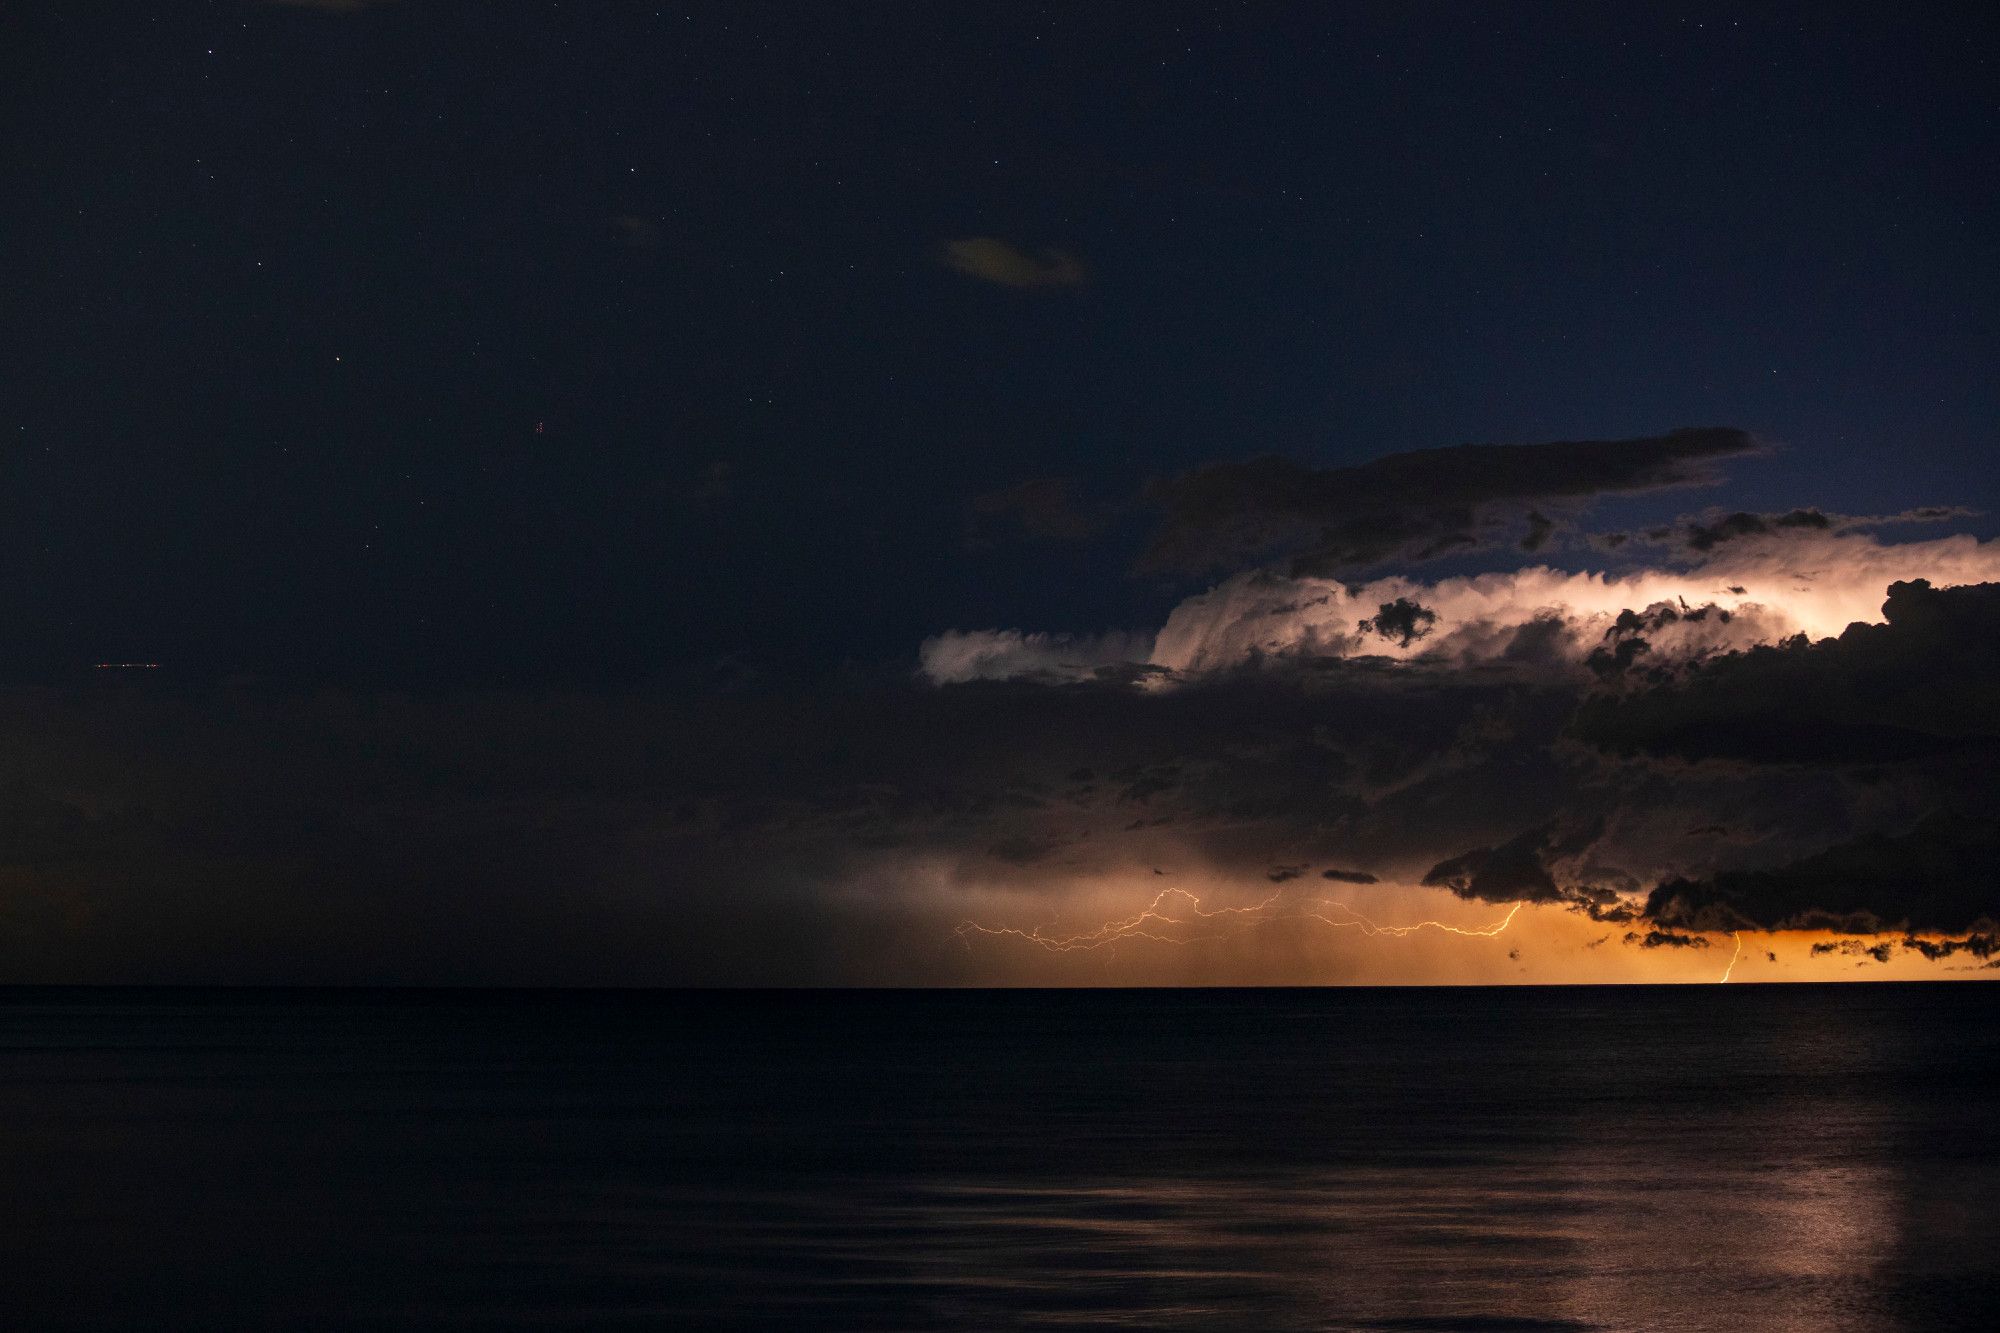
(1692, 1158)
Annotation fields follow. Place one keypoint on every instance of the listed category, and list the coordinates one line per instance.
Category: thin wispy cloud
(332, 6)
(991, 259)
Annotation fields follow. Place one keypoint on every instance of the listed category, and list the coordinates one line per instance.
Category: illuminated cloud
(958, 656)
(993, 260)
(844, 837)
(1749, 593)
(1788, 644)
(1363, 781)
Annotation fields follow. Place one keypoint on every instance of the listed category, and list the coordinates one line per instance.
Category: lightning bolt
(1734, 935)
(1176, 916)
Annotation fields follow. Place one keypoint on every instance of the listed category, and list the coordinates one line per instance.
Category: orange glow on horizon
(1178, 938)
(1143, 924)
(1736, 935)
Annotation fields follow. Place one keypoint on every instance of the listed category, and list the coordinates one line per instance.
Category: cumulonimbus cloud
(1753, 591)
(1924, 681)
(1844, 682)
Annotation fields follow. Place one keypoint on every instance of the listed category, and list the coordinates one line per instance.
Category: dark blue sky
(292, 290)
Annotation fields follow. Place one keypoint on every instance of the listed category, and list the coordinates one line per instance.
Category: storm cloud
(1926, 681)
(1676, 749)
(1937, 877)
(1411, 506)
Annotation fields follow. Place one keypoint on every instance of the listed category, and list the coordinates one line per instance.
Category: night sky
(732, 493)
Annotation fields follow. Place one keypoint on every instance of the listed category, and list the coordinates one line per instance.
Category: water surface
(1778, 1158)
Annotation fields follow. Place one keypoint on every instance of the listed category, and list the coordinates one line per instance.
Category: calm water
(1690, 1158)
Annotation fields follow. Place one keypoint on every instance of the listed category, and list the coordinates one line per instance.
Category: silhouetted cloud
(1665, 939)
(1410, 506)
(1881, 952)
(1402, 621)
(1978, 945)
(1926, 682)
(1704, 533)
(1937, 877)
(1513, 871)
(1708, 536)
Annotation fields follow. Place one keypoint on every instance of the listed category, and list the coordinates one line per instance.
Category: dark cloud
(1881, 953)
(1665, 939)
(1410, 506)
(1708, 536)
(1625, 644)
(689, 838)
(689, 835)
(1545, 641)
(1937, 877)
(1615, 912)
(1925, 683)
(1515, 870)
(993, 260)
(1979, 946)
(1618, 656)
(1703, 535)
(1402, 621)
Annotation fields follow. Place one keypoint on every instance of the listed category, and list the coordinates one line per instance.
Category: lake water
(1767, 1158)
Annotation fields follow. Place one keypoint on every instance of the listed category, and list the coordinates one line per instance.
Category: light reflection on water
(1377, 1250)
(1784, 1159)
